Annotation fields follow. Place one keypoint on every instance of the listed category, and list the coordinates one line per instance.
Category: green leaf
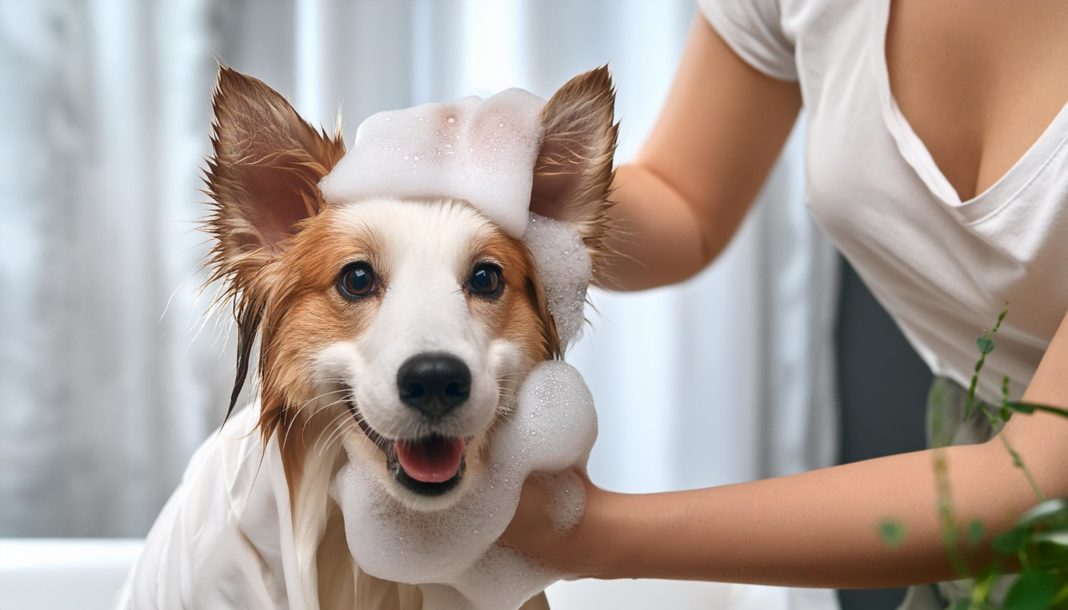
(1044, 512)
(985, 343)
(1012, 541)
(1034, 590)
(963, 604)
(1049, 556)
(976, 531)
(1062, 594)
(892, 532)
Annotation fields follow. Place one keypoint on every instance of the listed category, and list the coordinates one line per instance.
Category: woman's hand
(579, 553)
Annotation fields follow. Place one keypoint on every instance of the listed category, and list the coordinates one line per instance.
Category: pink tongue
(430, 460)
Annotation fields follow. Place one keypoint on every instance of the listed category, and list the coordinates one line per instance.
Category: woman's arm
(680, 202)
(819, 528)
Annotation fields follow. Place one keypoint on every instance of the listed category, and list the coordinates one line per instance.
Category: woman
(937, 160)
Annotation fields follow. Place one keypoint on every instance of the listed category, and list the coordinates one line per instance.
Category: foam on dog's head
(552, 428)
(565, 269)
(481, 151)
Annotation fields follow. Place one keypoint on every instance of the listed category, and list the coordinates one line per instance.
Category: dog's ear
(573, 173)
(263, 177)
(265, 169)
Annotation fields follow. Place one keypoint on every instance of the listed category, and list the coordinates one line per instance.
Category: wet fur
(276, 250)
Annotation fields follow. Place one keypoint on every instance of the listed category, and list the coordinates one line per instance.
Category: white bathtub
(85, 574)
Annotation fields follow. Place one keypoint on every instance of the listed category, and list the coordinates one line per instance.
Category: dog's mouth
(431, 465)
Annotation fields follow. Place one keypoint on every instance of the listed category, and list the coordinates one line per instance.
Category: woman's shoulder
(767, 33)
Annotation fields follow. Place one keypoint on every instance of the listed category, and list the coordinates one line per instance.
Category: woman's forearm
(821, 528)
(818, 529)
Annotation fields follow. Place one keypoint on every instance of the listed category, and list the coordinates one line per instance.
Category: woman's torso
(979, 83)
(937, 160)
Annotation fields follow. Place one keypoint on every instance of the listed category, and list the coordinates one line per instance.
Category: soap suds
(568, 498)
(565, 269)
(482, 151)
(552, 429)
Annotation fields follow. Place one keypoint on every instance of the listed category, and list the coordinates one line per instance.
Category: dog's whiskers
(337, 429)
(296, 413)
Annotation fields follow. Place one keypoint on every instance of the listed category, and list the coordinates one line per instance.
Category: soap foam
(551, 429)
(565, 269)
(568, 498)
(482, 151)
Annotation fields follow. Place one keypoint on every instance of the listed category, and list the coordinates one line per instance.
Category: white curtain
(109, 374)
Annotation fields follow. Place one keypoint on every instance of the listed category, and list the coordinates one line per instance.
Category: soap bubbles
(481, 151)
(565, 269)
(551, 431)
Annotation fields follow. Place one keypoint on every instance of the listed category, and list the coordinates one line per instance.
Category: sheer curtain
(110, 373)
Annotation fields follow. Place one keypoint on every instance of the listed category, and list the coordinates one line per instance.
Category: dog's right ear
(263, 177)
(264, 172)
(573, 172)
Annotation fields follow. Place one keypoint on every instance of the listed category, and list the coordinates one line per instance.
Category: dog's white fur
(427, 252)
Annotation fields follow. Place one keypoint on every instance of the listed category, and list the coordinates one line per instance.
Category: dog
(402, 327)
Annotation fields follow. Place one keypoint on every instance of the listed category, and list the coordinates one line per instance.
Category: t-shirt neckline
(916, 154)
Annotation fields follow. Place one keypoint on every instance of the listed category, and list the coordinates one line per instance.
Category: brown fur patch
(303, 313)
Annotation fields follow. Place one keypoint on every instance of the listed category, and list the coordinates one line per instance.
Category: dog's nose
(434, 383)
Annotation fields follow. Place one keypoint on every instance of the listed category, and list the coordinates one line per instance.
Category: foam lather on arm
(453, 552)
(482, 151)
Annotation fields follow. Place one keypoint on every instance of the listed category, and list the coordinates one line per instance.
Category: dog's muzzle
(434, 384)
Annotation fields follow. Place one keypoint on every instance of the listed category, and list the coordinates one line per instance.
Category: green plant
(1037, 545)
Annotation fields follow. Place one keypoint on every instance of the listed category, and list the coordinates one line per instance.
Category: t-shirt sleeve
(753, 29)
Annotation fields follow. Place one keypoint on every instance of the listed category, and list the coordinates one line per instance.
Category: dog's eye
(486, 281)
(357, 280)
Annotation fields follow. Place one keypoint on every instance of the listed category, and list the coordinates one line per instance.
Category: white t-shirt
(942, 267)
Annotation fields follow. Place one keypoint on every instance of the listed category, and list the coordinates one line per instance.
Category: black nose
(434, 383)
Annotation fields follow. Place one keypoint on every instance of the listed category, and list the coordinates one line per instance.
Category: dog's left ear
(573, 173)
(264, 176)
(266, 167)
